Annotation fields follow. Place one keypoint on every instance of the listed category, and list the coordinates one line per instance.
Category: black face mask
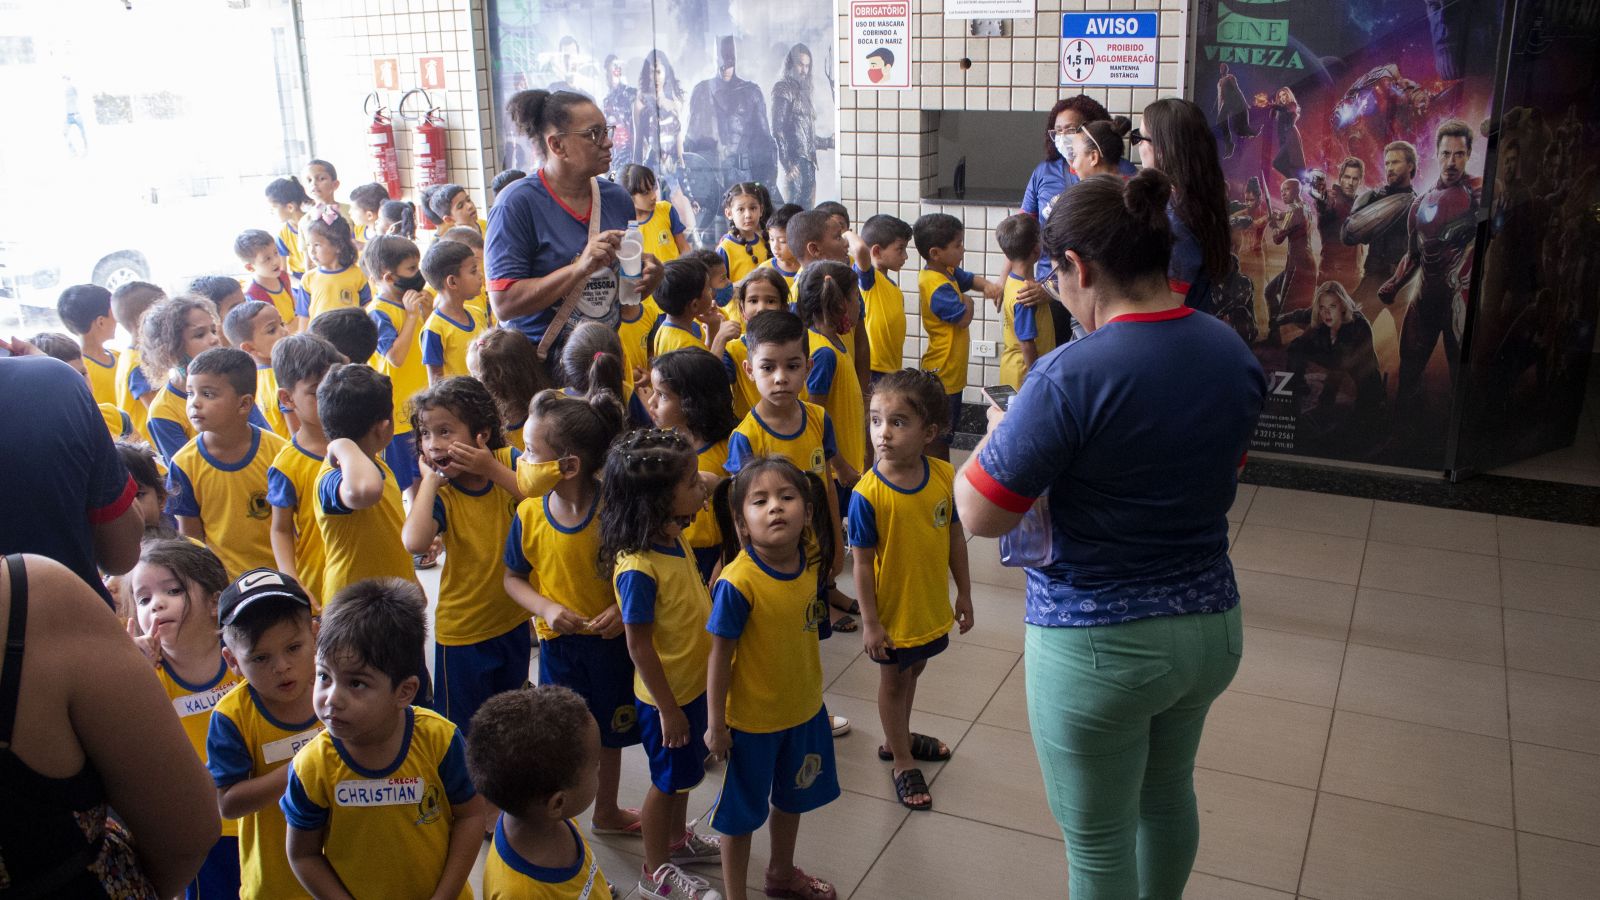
(414, 283)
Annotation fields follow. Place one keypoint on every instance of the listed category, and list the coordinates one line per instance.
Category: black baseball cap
(255, 586)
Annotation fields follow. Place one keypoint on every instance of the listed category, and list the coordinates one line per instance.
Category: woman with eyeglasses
(1180, 145)
(548, 269)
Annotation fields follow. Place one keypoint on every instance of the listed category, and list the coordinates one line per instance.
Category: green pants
(1116, 712)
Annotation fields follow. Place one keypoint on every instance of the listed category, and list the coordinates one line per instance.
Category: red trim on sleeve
(995, 492)
(559, 202)
(103, 514)
(502, 284)
(1178, 287)
(1165, 315)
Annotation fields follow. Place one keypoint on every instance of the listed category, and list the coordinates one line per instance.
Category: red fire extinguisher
(380, 136)
(433, 162)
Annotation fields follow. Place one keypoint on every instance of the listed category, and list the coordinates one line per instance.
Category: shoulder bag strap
(569, 303)
(16, 637)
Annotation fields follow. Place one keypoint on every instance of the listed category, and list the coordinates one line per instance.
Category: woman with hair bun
(1136, 432)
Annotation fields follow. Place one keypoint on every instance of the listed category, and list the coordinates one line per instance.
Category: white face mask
(1064, 147)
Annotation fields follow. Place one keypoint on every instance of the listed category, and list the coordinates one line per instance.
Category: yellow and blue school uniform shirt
(775, 617)
(229, 499)
(809, 447)
(293, 251)
(387, 830)
(670, 337)
(834, 386)
(943, 306)
(885, 320)
(745, 393)
(473, 606)
(635, 337)
(326, 289)
(267, 401)
(131, 385)
(245, 742)
(292, 485)
(445, 340)
(658, 231)
(119, 423)
(558, 561)
(788, 277)
(661, 587)
(102, 377)
(281, 297)
(169, 424)
(408, 378)
(909, 527)
(742, 257)
(193, 703)
(1022, 323)
(704, 535)
(507, 875)
(360, 543)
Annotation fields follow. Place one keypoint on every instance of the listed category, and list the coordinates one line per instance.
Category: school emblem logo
(941, 513)
(258, 508)
(346, 298)
(810, 769)
(429, 809)
(624, 719)
(818, 462)
(816, 611)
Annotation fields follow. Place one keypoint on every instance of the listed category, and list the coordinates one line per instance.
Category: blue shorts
(706, 559)
(675, 770)
(792, 768)
(601, 672)
(401, 455)
(906, 657)
(219, 874)
(949, 432)
(467, 674)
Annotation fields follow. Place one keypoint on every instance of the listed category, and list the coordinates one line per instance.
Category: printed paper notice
(989, 9)
(880, 45)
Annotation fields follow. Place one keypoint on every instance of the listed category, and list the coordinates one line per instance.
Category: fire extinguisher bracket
(380, 140)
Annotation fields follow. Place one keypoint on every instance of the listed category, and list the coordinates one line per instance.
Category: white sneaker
(672, 883)
(697, 848)
(840, 725)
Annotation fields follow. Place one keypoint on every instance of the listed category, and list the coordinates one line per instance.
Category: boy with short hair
(368, 200)
(946, 310)
(217, 482)
(689, 310)
(134, 391)
(472, 237)
(269, 639)
(357, 501)
(456, 275)
(535, 754)
(821, 234)
(783, 261)
(86, 311)
(298, 363)
(224, 293)
(1029, 333)
(884, 240)
(269, 279)
(415, 829)
(58, 346)
(350, 331)
(254, 327)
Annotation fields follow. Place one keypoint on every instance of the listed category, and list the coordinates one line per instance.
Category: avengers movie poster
(1353, 136)
(707, 93)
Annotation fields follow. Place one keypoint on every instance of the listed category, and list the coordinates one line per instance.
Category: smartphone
(1000, 395)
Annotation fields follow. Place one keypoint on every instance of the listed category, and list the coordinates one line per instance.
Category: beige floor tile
(1366, 851)
(1542, 587)
(1209, 887)
(935, 855)
(838, 843)
(1309, 511)
(856, 754)
(957, 683)
(838, 653)
(1466, 776)
(1554, 711)
(1261, 737)
(1289, 667)
(1558, 792)
(1233, 533)
(1306, 554)
(1551, 542)
(1009, 708)
(1447, 693)
(997, 619)
(1555, 870)
(1430, 625)
(995, 779)
(1251, 830)
(1429, 526)
(1554, 645)
(983, 565)
(1299, 605)
(1241, 502)
(1434, 573)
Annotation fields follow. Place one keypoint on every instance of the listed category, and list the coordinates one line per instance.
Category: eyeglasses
(1135, 138)
(596, 134)
(1064, 131)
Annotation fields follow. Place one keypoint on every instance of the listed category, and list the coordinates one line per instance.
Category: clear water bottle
(630, 263)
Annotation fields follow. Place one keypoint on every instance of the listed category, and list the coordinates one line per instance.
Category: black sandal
(923, 749)
(909, 783)
(846, 625)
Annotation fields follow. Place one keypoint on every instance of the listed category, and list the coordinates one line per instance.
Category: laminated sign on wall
(1109, 49)
(880, 44)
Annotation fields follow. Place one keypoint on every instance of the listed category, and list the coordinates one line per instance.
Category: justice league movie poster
(1353, 140)
(707, 93)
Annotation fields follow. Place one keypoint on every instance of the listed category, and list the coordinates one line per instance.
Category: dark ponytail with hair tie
(1120, 226)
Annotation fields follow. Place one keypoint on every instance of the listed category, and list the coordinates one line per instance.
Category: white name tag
(285, 748)
(199, 704)
(380, 792)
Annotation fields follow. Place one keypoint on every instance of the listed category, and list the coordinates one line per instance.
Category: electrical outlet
(984, 349)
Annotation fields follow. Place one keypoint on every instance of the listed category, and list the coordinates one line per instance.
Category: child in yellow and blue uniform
(946, 310)
(1029, 333)
(399, 310)
(255, 327)
(882, 251)
(507, 364)
(660, 228)
(381, 801)
(298, 362)
(175, 588)
(651, 487)
(826, 298)
(85, 310)
(760, 291)
(289, 200)
(269, 282)
(453, 270)
(172, 334)
(134, 392)
(765, 680)
(551, 725)
(690, 395)
(336, 282)
(468, 495)
(257, 728)
(744, 248)
(686, 300)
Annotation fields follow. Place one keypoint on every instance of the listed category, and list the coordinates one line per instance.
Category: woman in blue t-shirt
(1136, 432)
(538, 249)
(1180, 144)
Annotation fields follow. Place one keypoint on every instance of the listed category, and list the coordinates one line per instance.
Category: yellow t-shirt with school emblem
(909, 527)
(193, 703)
(229, 499)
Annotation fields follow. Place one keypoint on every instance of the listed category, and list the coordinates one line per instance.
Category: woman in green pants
(1136, 434)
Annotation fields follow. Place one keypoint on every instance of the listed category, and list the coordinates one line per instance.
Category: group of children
(672, 519)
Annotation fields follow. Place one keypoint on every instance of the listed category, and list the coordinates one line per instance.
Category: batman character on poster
(707, 93)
